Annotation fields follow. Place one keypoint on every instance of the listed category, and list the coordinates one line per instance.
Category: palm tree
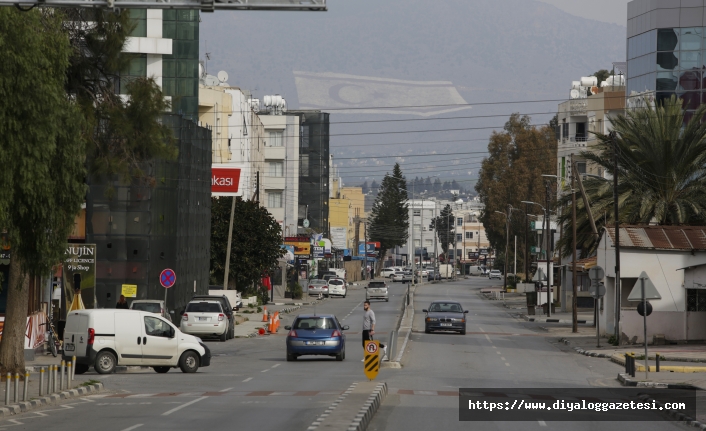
(661, 173)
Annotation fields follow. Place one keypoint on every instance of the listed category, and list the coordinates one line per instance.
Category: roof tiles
(661, 237)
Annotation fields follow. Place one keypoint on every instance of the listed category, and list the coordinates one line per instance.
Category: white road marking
(225, 390)
(133, 427)
(502, 359)
(264, 371)
(276, 365)
(487, 338)
(542, 423)
(183, 405)
(497, 353)
(507, 364)
(247, 380)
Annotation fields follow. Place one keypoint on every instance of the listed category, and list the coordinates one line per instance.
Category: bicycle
(52, 338)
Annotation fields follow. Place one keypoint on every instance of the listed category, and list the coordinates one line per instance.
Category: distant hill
(492, 51)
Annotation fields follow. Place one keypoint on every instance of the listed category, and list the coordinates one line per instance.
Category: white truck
(446, 271)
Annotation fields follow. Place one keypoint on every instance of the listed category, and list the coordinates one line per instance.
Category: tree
(602, 75)
(518, 156)
(443, 225)
(43, 156)
(389, 217)
(446, 186)
(661, 173)
(455, 186)
(427, 184)
(437, 185)
(255, 248)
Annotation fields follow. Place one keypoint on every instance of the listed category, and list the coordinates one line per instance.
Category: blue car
(316, 334)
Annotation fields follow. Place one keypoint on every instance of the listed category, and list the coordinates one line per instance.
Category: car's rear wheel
(427, 331)
(105, 362)
(81, 368)
(291, 357)
(161, 370)
(463, 332)
(341, 356)
(223, 336)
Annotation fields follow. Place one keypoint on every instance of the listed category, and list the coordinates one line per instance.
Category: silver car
(377, 290)
(402, 276)
(155, 306)
(317, 287)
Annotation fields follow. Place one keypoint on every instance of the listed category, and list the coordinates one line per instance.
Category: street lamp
(546, 252)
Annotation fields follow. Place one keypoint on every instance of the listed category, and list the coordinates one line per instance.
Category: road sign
(167, 278)
(641, 306)
(650, 289)
(596, 273)
(129, 290)
(372, 359)
(305, 223)
(597, 290)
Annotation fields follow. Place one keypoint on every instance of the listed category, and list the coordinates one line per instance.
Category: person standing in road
(369, 326)
(122, 303)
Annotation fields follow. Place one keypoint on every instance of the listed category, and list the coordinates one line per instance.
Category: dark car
(445, 316)
(227, 310)
(316, 334)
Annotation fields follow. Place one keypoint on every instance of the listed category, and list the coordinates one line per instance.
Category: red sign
(225, 180)
(167, 278)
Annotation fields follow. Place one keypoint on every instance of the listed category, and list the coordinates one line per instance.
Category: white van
(106, 338)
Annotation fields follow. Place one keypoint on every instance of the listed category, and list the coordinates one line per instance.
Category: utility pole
(549, 285)
(436, 234)
(453, 268)
(574, 311)
(526, 245)
(365, 250)
(507, 243)
(617, 236)
(230, 241)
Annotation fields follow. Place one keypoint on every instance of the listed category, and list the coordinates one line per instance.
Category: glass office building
(666, 50)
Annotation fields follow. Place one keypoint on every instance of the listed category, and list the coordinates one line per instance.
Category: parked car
(495, 273)
(227, 307)
(433, 275)
(377, 290)
(337, 286)
(155, 306)
(105, 338)
(317, 287)
(445, 316)
(320, 334)
(205, 318)
(387, 272)
(235, 297)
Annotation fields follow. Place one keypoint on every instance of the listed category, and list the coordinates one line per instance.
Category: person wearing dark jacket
(122, 303)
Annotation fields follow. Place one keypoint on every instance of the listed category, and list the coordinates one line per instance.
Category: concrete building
(665, 49)
(356, 199)
(280, 182)
(673, 257)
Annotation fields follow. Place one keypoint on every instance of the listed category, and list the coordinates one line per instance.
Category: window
(469, 235)
(459, 237)
(157, 327)
(459, 253)
(417, 243)
(274, 199)
(416, 213)
(275, 169)
(581, 167)
(565, 130)
(275, 139)
(315, 323)
(305, 136)
(459, 221)
(203, 307)
(139, 19)
(695, 300)
(304, 164)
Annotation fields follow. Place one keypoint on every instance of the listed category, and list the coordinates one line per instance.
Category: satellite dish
(210, 81)
(201, 71)
(222, 76)
(575, 94)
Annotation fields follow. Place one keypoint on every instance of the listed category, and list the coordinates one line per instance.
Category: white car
(387, 272)
(337, 287)
(205, 318)
(106, 338)
(495, 274)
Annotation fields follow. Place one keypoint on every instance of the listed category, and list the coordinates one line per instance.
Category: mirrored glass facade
(669, 61)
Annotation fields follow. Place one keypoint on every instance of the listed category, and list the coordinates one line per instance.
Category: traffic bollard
(25, 387)
(633, 367)
(73, 369)
(627, 364)
(41, 381)
(62, 373)
(16, 390)
(7, 388)
(657, 362)
(69, 370)
(54, 375)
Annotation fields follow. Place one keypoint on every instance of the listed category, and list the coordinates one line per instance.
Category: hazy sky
(613, 11)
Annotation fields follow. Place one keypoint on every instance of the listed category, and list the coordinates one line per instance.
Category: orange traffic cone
(276, 320)
(264, 315)
(271, 325)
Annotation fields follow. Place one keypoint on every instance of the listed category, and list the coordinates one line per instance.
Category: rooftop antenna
(208, 57)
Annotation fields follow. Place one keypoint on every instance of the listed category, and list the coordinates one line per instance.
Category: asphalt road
(249, 385)
(498, 351)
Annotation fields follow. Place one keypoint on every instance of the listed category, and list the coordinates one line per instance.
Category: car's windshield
(315, 323)
(321, 282)
(203, 307)
(336, 282)
(445, 307)
(151, 307)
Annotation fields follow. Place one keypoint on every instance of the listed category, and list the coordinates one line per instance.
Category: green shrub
(613, 341)
(297, 291)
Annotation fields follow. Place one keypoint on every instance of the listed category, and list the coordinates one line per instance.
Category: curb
(331, 408)
(679, 417)
(24, 406)
(366, 413)
(532, 319)
(627, 380)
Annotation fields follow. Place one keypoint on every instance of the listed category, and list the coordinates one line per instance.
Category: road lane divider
(176, 409)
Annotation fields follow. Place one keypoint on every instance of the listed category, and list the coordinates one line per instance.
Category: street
(250, 385)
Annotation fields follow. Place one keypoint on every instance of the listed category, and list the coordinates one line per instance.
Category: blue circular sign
(167, 278)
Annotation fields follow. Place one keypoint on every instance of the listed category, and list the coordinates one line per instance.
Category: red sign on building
(225, 181)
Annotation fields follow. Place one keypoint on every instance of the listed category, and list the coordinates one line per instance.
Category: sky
(612, 11)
